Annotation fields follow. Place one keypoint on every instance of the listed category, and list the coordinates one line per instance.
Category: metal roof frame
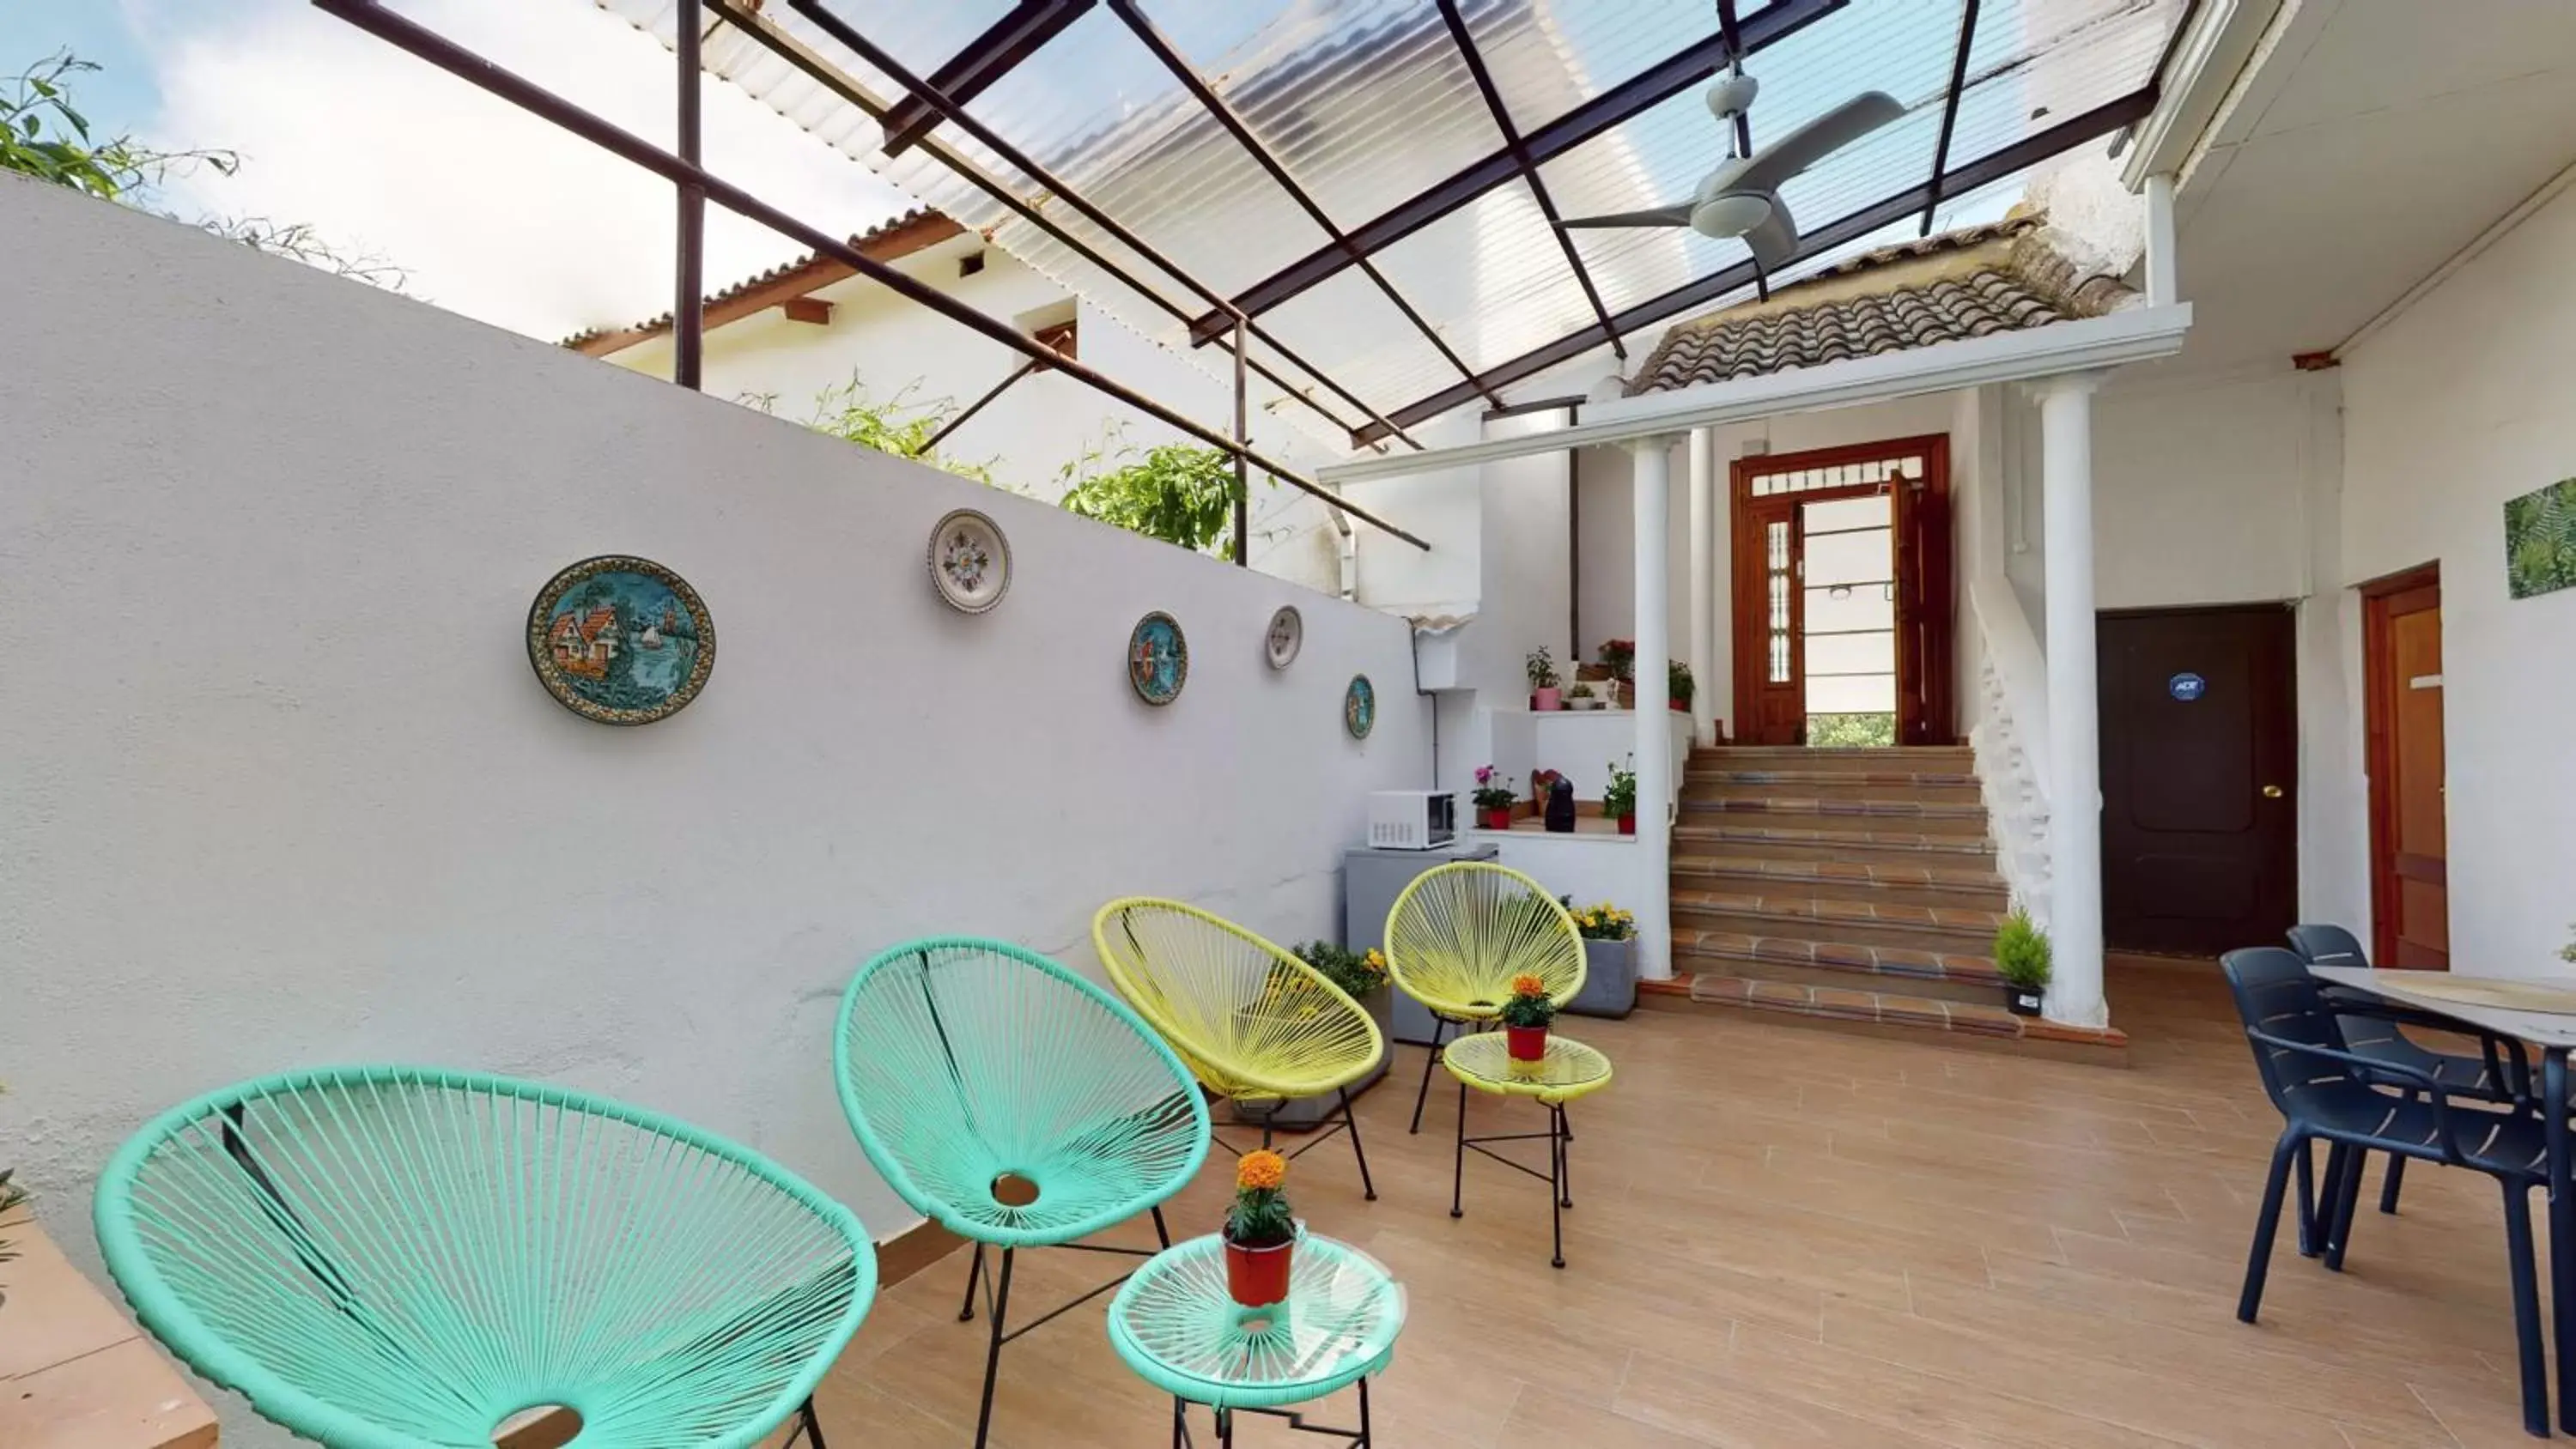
(980, 62)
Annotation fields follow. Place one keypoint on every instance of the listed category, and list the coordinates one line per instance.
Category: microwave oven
(1412, 819)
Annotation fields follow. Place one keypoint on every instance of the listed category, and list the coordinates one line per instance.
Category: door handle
(2271, 792)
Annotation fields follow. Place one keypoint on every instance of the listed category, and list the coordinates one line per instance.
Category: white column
(2074, 725)
(1653, 750)
(1703, 585)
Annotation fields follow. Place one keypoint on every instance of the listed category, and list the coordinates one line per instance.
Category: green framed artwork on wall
(2540, 540)
(1359, 707)
(621, 640)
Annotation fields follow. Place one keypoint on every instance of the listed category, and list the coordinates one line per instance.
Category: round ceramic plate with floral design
(1359, 707)
(1287, 635)
(970, 561)
(1158, 658)
(621, 640)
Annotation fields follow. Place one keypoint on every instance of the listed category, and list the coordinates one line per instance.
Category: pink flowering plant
(1493, 789)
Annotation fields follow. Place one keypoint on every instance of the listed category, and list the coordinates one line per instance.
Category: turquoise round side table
(1569, 1070)
(1181, 1331)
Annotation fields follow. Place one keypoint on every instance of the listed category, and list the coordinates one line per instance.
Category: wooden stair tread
(1859, 809)
(1892, 779)
(1963, 967)
(1803, 911)
(1819, 836)
(1839, 873)
(1892, 1013)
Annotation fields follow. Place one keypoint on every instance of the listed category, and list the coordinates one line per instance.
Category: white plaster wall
(2457, 405)
(2198, 495)
(277, 786)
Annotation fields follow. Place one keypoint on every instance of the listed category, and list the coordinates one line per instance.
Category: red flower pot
(1681, 706)
(1526, 1043)
(1495, 819)
(1627, 825)
(1258, 1277)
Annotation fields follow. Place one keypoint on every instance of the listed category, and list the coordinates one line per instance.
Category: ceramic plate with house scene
(970, 561)
(621, 640)
(1287, 635)
(1158, 659)
(1359, 707)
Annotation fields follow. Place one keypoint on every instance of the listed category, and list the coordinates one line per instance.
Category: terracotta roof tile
(882, 231)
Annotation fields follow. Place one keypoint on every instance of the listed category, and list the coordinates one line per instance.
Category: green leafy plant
(1677, 677)
(1529, 1004)
(1600, 921)
(902, 425)
(1260, 1216)
(1177, 493)
(2568, 951)
(2021, 951)
(1851, 731)
(1542, 669)
(1580, 691)
(1620, 800)
(1357, 973)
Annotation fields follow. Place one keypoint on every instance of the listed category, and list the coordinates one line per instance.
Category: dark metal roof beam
(2020, 156)
(1631, 97)
(1732, 32)
(372, 17)
(1950, 109)
(1224, 115)
(1538, 188)
(823, 71)
(980, 62)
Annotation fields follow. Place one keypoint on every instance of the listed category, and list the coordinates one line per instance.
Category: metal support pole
(1242, 470)
(688, 308)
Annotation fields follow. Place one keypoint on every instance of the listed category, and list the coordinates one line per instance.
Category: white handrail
(2011, 739)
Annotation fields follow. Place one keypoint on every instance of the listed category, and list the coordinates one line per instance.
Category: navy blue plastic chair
(2324, 1091)
(2501, 1073)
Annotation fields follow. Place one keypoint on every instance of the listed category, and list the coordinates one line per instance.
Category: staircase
(1853, 889)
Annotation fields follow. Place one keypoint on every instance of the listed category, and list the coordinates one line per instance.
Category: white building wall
(2458, 404)
(279, 788)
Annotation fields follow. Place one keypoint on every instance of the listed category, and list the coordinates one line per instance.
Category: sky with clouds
(491, 212)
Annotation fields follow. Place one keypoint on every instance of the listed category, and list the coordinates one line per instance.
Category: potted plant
(1260, 1231)
(1526, 1014)
(1619, 656)
(2021, 954)
(1542, 680)
(1581, 697)
(1619, 802)
(1683, 687)
(1494, 799)
(1609, 959)
(1362, 976)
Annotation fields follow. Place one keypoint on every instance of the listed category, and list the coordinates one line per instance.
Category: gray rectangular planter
(1609, 979)
(1301, 1113)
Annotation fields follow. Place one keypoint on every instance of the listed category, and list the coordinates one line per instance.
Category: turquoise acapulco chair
(1015, 1104)
(409, 1258)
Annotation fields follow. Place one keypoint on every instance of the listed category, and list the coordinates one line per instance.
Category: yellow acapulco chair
(1254, 1023)
(1458, 935)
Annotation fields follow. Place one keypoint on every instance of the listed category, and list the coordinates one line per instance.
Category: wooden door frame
(1749, 612)
(2379, 746)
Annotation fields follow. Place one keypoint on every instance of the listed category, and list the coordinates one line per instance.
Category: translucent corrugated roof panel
(1370, 105)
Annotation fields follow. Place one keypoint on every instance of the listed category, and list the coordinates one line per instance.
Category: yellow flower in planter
(1260, 1171)
(1529, 983)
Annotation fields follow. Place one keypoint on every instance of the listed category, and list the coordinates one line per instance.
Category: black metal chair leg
(2308, 1245)
(2347, 1196)
(1565, 1155)
(974, 1272)
(1368, 1439)
(993, 1353)
(2526, 1309)
(1458, 1167)
(1351, 1122)
(2267, 1223)
(1556, 1186)
(808, 1425)
(1429, 1064)
(2389, 1185)
(1161, 1233)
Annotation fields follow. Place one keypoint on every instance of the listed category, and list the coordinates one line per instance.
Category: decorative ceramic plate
(970, 561)
(1158, 659)
(621, 640)
(1287, 635)
(1359, 707)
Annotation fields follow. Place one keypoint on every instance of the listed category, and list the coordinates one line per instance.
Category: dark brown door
(1923, 606)
(2199, 753)
(2410, 898)
(1770, 672)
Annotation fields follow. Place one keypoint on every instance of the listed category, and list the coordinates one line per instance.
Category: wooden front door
(2410, 900)
(1842, 595)
(2199, 732)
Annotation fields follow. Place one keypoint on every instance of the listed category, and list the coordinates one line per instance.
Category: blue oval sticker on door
(2186, 686)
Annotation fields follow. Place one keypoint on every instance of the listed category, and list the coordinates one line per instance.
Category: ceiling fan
(1741, 198)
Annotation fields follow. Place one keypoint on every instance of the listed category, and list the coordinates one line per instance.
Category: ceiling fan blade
(1814, 141)
(1660, 216)
(1775, 242)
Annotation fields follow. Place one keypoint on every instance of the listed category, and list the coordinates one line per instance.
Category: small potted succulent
(2021, 955)
(1494, 799)
(1581, 697)
(1526, 1015)
(1619, 656)
(1619, 802)
(1543, 681)
(1260, 1231)
(1678, 678)
(1609, 959)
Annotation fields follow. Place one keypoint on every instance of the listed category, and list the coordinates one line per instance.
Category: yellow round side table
(1570, 1069)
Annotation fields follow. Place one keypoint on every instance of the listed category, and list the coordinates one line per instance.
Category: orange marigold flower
(1529, 983)
(1260, 1170)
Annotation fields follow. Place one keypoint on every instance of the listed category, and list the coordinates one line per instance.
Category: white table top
(2537, 1027)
